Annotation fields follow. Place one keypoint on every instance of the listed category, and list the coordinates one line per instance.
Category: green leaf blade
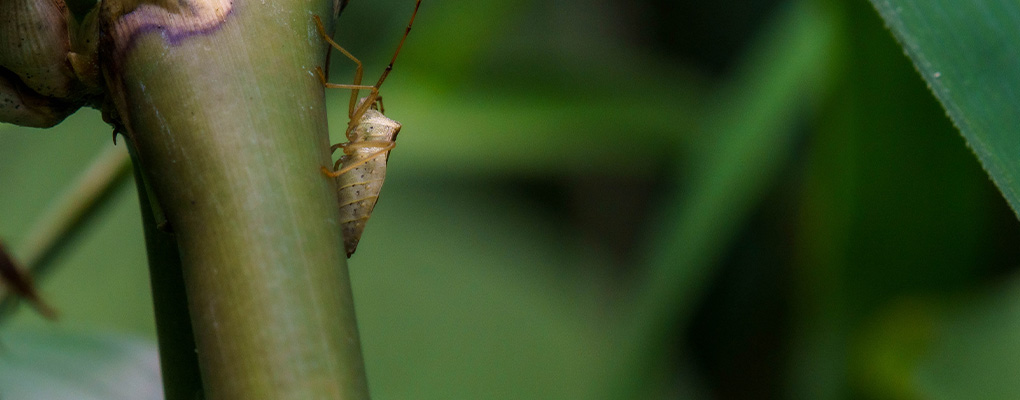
(969, 53)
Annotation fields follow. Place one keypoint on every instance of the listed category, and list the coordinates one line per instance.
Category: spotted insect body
(360, 172)
(364, 163)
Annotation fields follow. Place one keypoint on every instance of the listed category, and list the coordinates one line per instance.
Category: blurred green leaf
(70, 212)
(892, 204)
(100, 280)
(969, 53)
(977, 353)
(944, 347)
(748, 139)
(891, 346)
(50, 365)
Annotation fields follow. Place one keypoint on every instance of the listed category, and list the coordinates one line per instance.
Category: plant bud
(34, 44)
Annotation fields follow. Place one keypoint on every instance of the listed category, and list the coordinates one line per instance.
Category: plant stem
(62, 222)
(229, 122)
(178, 363)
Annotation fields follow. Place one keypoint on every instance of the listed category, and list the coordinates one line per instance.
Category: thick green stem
(229, 122)
(178, 362)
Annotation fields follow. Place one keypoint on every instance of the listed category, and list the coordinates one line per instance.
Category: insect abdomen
(358, 190)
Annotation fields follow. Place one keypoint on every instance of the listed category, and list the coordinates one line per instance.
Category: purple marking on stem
(174, 28)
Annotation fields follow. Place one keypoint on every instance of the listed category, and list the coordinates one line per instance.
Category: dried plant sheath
(21, 283)
(20, 105)
(365, 161)
(46, 62)
(34, 41)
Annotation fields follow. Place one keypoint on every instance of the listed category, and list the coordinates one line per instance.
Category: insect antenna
(399, 46)
(374, 96)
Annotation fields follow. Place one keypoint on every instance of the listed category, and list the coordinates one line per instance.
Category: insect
(360, 172)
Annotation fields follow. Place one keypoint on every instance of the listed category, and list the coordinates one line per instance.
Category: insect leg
(355, 113)
(372, 98)
(363, 107)
(339, 85)
(357, 72)
(389, 146)
(349, 148)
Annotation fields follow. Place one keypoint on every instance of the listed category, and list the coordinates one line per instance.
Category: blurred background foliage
(643, 199)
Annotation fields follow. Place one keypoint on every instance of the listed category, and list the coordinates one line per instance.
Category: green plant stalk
(750, 141)
(230, 126)
(106, 173)
(63, 221)
(178, 363)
